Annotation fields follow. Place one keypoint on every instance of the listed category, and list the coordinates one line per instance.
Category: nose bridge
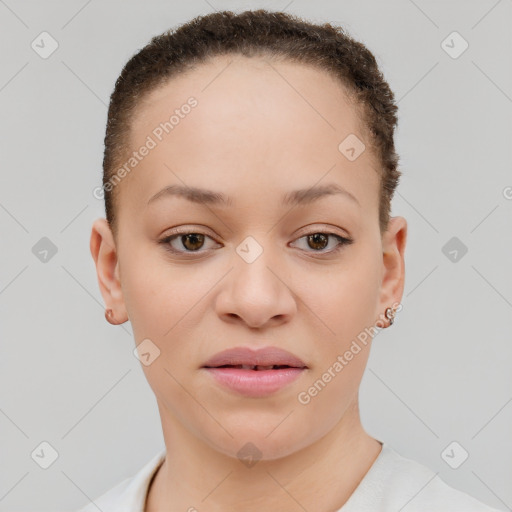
(250, 250)
(253, 265)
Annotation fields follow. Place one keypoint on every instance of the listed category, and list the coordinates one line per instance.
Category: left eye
(319, 241)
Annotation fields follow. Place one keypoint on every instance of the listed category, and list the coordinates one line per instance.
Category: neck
(321, 476)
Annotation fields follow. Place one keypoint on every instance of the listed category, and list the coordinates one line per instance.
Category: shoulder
(395, 482)
(129, 495)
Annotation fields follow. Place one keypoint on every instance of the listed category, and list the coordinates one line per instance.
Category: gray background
(440, 374)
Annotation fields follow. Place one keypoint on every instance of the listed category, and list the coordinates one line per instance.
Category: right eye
(192, 242)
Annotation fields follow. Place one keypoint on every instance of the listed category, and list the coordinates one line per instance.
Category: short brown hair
(251, 33)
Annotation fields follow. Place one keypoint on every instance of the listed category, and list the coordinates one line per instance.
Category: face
(306, 272)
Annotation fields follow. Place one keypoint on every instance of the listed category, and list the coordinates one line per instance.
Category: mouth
(255, 367)
(254, 373)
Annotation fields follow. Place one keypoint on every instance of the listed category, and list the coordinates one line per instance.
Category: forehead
(257, 122)
(239, 87)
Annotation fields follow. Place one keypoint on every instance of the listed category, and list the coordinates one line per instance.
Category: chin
(257, 440)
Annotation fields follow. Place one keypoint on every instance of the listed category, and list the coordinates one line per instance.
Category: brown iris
(193, 241)
(318, 238)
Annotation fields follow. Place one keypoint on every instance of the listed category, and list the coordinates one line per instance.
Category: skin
(253, 137)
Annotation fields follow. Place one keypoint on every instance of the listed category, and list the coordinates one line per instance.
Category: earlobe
(393, 263)
(104, 253)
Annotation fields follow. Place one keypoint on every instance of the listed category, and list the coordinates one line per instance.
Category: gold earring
(109, 317)
(390, 315)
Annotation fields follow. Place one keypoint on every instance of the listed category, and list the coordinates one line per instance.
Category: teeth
(265, 367)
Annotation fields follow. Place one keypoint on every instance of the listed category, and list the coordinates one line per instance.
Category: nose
(257, 293)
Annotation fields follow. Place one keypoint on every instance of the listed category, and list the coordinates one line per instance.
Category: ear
(393, 264)
(104, 253)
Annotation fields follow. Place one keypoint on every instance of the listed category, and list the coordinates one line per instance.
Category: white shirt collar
(391, 482)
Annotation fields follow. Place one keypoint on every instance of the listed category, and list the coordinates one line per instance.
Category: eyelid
(326, 229)
(186, 230)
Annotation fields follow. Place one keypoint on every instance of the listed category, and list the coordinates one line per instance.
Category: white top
(392, 483)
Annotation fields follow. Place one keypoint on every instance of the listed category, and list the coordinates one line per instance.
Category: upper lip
(267, 356)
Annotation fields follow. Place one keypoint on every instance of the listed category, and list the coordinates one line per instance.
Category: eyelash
(343, 241)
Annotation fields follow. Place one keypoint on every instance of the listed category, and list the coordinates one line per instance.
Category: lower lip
(255, 383)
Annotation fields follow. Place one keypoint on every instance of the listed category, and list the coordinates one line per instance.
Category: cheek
(143, 289)
(161, 297)
(345, 299)
(346, 305)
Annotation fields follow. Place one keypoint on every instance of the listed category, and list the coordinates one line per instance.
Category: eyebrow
(295, 197)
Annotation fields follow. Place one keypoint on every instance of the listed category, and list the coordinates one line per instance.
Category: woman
(249, 170)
